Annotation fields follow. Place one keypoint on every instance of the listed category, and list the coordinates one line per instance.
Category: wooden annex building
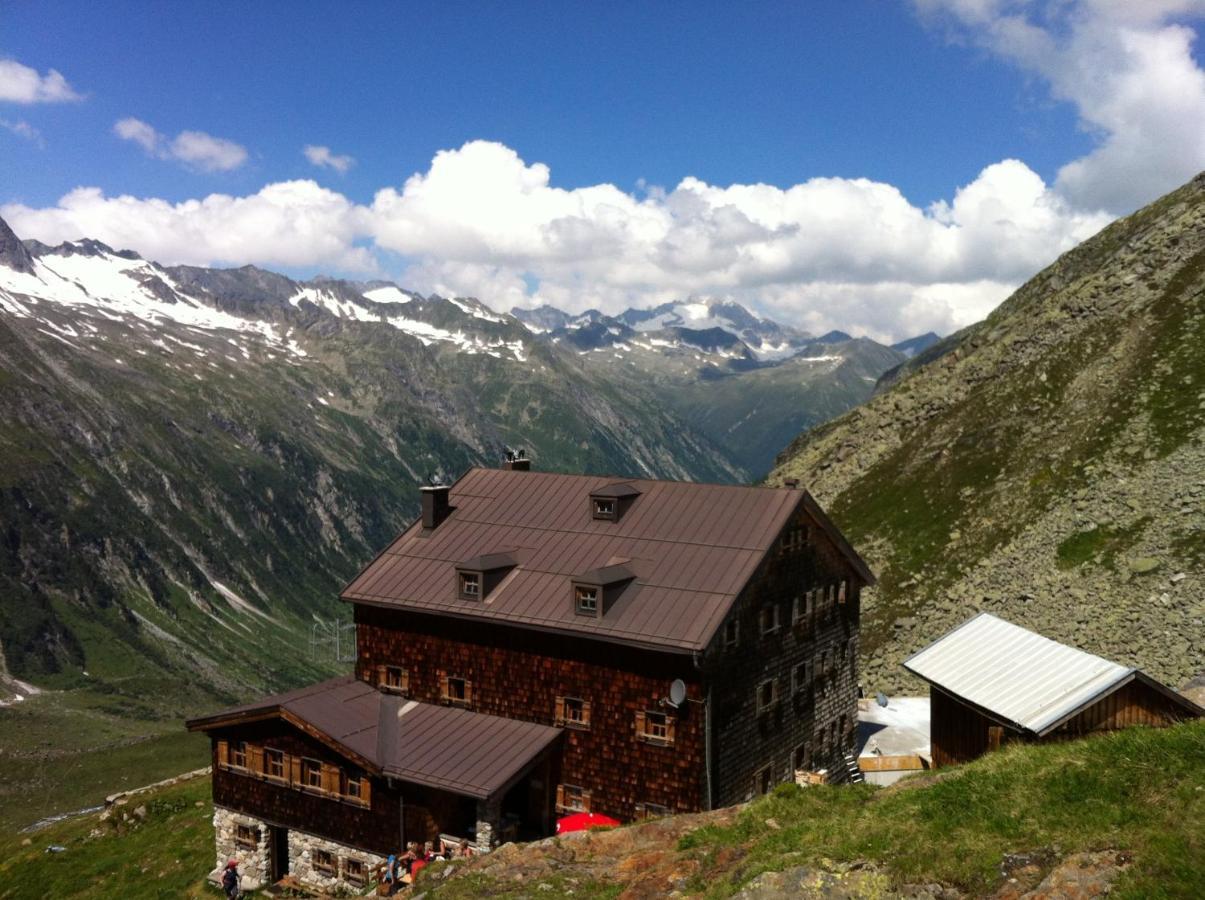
(991, 682)
(539, 644)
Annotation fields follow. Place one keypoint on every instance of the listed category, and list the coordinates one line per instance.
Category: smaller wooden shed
(991, 682)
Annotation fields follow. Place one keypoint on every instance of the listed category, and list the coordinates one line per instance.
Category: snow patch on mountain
(119, 288)
(389, 294)
(477, 310)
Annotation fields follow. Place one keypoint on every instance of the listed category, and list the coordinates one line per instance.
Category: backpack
(230, 879)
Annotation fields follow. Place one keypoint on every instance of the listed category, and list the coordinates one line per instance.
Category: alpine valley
(196, 460)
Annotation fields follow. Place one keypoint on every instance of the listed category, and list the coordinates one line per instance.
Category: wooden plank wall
(747, 739)
(1134, 704)
(520, 673)
(376, 829)
(957, 733)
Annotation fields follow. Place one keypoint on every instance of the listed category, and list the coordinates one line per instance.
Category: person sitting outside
(391, 876)
(406, 860)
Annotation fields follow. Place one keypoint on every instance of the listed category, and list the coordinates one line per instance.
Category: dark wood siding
(744, 740)
(519, 674)
(957, 732)
(1133, 704)
(376, 829)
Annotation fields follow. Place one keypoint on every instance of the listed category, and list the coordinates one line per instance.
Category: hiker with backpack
(230, 880)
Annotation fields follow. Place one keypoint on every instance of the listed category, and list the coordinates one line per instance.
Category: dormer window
(609, 503)
(585, 599)
(477, 577)
(470, 585)
(596, 591)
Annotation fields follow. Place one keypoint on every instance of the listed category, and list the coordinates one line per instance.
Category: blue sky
(608, 154)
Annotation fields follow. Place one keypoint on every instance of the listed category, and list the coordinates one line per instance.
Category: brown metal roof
(490, 562)
(456, 750)
(691, 548)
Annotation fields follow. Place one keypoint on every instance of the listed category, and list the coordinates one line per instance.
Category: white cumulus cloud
(1126, 65)
(849, 252)
(322, 156)
(195, 149)
(21, 84)
(480, 221)
(292, 223)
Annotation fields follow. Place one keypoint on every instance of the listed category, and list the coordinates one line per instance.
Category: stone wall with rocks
(302, 853)
(255, 864)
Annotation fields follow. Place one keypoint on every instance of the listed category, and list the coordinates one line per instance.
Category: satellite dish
(881, 699)
(677, 692)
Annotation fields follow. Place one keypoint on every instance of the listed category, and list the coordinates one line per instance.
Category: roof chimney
(517, 461)
(791, 483)
(435, 503)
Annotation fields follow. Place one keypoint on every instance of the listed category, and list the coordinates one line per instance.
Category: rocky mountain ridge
(1047, 464)
(747, 383)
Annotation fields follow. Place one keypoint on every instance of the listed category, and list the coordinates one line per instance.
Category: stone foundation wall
(254, 865)
(302, 849)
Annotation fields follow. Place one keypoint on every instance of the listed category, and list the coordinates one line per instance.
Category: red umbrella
(584, 821)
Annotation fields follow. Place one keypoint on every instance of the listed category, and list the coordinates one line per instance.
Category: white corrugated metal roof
(1014, 673)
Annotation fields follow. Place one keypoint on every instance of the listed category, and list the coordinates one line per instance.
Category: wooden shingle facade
(668, 647)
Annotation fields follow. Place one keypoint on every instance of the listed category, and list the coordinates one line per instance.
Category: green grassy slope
(166, 854)
(1140, 792)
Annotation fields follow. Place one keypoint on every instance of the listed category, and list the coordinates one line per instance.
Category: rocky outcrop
(13, 254)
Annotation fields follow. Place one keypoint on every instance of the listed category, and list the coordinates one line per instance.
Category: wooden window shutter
(223, 755)
(640, 724)
(671, 724)
(330, 778)
(406, 681)
(559, 711)
(380, 675)
(365, 790)
(560, 796)
(255, 760)
(293, 768)
(586, 800)
(443, 685)
(468, 692)
(585, 712)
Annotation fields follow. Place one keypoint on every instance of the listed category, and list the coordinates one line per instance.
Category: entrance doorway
(278, 852)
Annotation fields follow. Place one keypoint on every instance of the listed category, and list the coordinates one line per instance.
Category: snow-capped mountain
(765, 338)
